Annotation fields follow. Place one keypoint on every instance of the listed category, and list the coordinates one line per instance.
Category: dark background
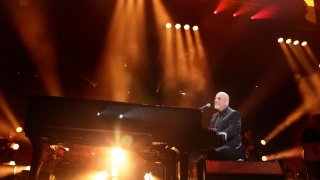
(240, 52)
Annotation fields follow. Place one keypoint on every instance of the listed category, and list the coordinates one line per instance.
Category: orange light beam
(168, 63)
(309, 89)
(123, 53)
(182, 72)
(290, 59)
(293, 117)
(311, 55)
(197, 66)
(295, 152)
(4, 106)
(201, 61)
(167, 50)
(258, 94)
(35, 33)
(301, 58)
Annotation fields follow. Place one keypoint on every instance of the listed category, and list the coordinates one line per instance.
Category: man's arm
(233, 124)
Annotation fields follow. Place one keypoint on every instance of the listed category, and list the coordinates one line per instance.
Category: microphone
(205, 106)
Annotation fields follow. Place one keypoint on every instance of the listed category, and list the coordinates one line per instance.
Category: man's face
(221, 101)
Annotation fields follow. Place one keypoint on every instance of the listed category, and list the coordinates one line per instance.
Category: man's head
(221, 101)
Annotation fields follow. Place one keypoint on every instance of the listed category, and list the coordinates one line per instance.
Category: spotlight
(19, 129)
(288, 41)
(296, 42)
(263, 142)
(168, 25)
(234, 14)
(177, 26)
(186, 27)
(304, 43)
(117, 156)
(148, 176)
(102, 175)
(280, 40)
(215, 12)
(195, 28)
(14, 146)
(264, 158)
(309, 3)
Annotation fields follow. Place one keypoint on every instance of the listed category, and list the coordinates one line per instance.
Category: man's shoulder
(230, 110)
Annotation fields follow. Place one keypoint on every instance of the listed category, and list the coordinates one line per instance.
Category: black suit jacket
(230, 124)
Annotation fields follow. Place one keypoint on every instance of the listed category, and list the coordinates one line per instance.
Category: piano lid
(165, 124)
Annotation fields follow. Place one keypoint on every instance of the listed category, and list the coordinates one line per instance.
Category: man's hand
(212, 129)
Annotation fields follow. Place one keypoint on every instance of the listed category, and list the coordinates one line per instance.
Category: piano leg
(171, 163)
(170, 172)
(184, 164)
(35, 161)
(39, 154)
(176, 167)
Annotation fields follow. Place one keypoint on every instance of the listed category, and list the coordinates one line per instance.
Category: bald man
(226, 124)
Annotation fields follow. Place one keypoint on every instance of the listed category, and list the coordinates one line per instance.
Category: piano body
(54, 120)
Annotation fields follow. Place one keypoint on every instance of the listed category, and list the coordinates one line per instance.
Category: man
(225, 123)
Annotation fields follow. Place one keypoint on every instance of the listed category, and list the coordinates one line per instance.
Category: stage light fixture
(168, 25)
(234, 14)
(296, 42)
(215, 12)
(288, 41)
(195, 28)
(263, 142)
(280, 40)
(14, 146)
(186, 27)
(19, 129)
(264, 158)
(309, 3)
(177, 26)
(304, 43)
(117, 156)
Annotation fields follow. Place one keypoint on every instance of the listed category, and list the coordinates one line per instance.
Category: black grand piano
(59, 120)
